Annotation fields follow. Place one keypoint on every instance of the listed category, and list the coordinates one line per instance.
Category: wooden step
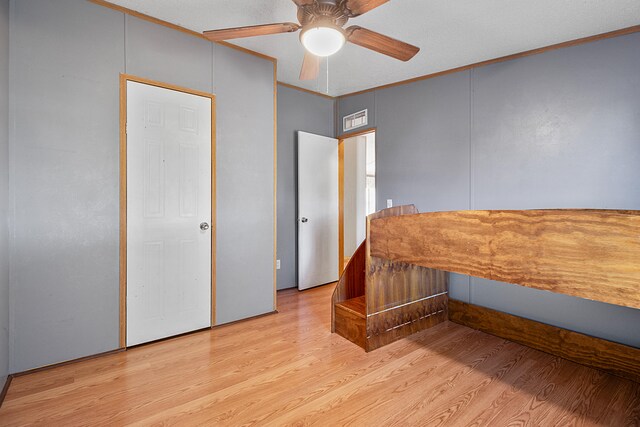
(350, 320)
(357, 306)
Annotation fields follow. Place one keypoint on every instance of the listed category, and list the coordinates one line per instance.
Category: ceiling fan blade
(310, 67)
(252, 31)
(304, 2)
(381, 43)
(358, 7)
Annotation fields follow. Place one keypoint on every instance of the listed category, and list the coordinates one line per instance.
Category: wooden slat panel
(399, 322)
(614, 358)
(395, 283)
(374, 265)
(593, 254)
(395, 292)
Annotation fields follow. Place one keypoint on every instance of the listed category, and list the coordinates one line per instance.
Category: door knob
(303, 219)
(204, 226)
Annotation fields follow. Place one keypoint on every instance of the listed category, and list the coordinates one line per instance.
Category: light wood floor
(287, 369)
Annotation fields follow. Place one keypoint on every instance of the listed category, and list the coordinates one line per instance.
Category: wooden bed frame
(396, 282)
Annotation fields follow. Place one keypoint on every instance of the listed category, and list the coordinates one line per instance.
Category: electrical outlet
(277, 264)
(389, 203)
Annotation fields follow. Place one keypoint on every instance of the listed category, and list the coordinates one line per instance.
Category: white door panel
(317, 210)
(168, 197)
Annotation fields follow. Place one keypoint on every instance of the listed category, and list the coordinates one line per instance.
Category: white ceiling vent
(355, 120)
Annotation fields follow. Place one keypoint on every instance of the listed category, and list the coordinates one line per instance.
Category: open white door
(168, 212)
(317, 210)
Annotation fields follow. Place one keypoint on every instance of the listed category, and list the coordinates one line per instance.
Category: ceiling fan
(323, 34)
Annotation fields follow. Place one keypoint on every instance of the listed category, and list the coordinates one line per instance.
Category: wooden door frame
(124, 78)
(341, 140)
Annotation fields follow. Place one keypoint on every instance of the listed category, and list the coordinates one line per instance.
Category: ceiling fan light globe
(322, 41)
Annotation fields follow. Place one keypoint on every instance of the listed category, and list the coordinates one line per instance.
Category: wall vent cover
(355, 120)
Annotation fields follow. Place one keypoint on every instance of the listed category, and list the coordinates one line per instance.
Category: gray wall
(245, 172)
(556, 130)
(65, 62)
(297, 110)
(4, 190)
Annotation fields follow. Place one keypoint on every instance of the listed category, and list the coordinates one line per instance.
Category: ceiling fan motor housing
(323, 11)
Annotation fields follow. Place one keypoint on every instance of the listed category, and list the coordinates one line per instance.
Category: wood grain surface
(350, 320)
(351, 282)
(377, 268)
(400, 322)
(614, 358)
(592, 254)
(358, 7)
(380, 43)
(251, 31)
(288, 369)
(351, 324)
(357, 306)
(394, 291)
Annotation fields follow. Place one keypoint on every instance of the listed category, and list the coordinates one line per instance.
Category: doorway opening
(357, 164)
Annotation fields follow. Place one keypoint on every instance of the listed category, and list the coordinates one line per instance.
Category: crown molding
(583, 40)
(184, 30)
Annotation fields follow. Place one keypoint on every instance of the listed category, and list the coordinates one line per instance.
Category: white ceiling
(450, 33)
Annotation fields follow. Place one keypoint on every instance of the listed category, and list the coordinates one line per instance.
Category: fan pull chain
(327, 87)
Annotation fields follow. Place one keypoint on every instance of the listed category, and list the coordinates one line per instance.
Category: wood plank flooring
(288, 369)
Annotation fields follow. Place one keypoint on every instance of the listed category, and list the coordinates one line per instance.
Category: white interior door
(317, 210)
(168, 212)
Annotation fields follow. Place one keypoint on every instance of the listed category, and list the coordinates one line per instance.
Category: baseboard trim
(5, 389)
(245, 319)
(119, 350)
(159, 340)
(614, 358)
(67, 362)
